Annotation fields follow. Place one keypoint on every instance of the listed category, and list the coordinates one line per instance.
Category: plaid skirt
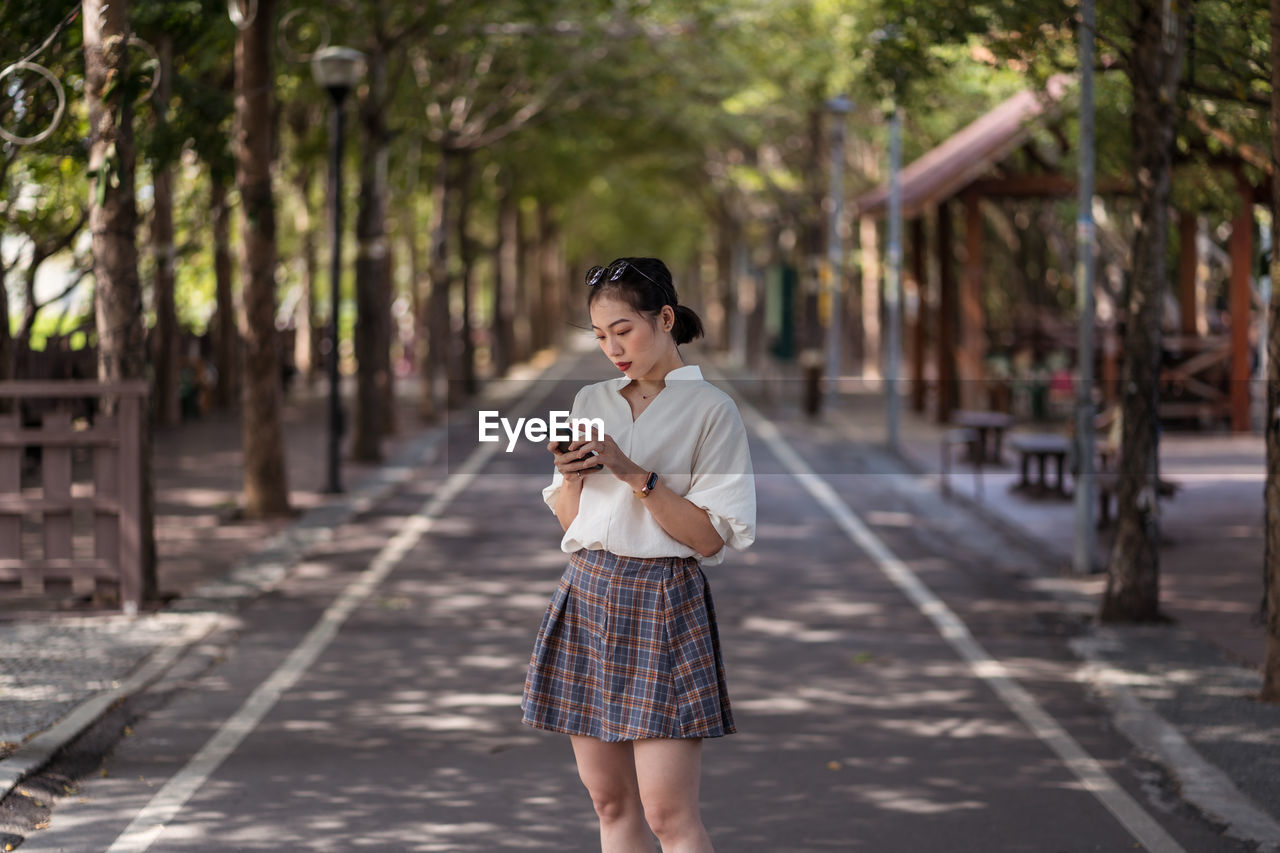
(628, 649)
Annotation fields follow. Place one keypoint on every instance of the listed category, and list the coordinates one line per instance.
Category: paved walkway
(1203, 695)
(371, 699)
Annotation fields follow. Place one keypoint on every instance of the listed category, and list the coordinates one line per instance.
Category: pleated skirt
(628, 649)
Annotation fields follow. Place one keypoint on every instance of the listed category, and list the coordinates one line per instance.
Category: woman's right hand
(570, 464)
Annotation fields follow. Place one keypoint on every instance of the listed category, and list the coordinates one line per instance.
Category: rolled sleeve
(551, 492)
(723, 482)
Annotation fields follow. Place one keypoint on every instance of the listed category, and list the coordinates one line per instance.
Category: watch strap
(649, 483)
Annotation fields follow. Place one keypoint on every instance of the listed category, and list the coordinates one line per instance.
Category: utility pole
(893, 281)
(1084, 540)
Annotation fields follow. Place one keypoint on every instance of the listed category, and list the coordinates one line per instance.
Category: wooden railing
(1195, 378)
(115, 446)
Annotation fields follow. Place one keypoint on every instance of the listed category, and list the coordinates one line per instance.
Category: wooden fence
(114, 444)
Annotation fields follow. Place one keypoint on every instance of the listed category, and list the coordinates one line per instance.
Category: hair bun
(687, 326)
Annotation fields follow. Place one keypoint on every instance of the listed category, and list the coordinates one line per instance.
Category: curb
(1203, 783)
(39, 750)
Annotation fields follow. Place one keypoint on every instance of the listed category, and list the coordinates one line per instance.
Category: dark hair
(645, 284)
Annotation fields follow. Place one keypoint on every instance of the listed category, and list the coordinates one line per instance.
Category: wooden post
(1111, 366)
(972, 325)
(1238, 302)
(946, 351)
(1187, 261)
(10, 487)
(106, 491)
(917, 304)
(55, 480)
(129, 493)
(870, 245)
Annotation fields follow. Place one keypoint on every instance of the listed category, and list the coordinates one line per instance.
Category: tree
(165, 345)
(265, 475)
(113, 224)
(1157, 51)
(1271, 562)
(43, 190)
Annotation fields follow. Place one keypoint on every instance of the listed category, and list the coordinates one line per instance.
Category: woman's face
(633, 342)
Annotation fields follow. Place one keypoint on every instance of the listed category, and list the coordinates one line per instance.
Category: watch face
(651, 482)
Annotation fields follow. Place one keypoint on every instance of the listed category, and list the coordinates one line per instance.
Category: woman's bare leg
(669, 775)
(609, 772)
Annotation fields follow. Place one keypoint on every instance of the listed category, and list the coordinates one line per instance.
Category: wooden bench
(1041, 447)
(1109, 486)
(960, 437)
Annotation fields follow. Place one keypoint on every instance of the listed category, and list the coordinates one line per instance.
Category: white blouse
(691, 434)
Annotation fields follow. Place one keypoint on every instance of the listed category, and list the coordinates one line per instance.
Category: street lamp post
(839, 108)
(1085, 543)
(336, 70)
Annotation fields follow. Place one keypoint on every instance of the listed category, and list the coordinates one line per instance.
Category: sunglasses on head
(597, 274)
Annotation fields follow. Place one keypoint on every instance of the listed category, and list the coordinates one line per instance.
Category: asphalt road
(394, 724)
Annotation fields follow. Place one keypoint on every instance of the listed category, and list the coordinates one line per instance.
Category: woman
(627, 659)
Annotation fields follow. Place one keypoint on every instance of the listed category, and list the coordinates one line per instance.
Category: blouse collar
(687, 371)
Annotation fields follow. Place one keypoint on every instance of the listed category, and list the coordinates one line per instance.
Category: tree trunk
(719, 298)
(1271, 560)
(552, 303)
(113, 221)
(265, 475)
(1133, 581)
(813, 231)
(304, 315)
(373, 304)
(417, 295)
(6, 335)
(301, 117)
(165, 349)
(434, 351)
(535, 289)
(506, 276)
(522, 319)
(226, 330)
(465, 380)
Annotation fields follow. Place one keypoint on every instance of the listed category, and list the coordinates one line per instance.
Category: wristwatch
(649, 483)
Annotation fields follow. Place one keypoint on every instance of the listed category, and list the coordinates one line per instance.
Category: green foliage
(640, 121)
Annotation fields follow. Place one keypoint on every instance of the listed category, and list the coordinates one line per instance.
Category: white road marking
(146, 827)
(1139, 823)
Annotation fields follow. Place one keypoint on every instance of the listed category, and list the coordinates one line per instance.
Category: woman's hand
(576, 463)
(614, 460)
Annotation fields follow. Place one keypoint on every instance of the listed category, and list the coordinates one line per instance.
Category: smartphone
(563, 447)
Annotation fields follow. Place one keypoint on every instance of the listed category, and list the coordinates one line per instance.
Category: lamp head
(337, 69)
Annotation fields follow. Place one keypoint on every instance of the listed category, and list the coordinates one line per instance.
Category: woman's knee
(670, 818)
(612, 802)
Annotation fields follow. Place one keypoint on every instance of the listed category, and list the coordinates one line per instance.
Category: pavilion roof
(968, 154)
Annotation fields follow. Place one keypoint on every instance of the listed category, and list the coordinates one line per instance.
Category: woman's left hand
(613, 459)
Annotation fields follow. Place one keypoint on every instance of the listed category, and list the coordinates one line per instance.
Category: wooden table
(990, 427)
(1041, 447)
